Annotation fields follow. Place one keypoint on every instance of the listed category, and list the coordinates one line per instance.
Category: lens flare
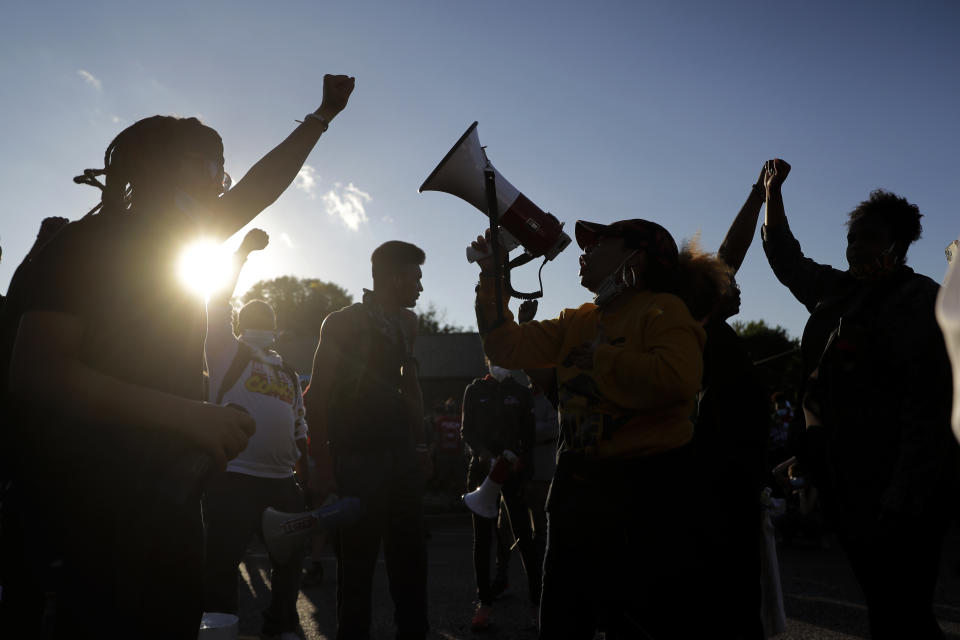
(204, 267)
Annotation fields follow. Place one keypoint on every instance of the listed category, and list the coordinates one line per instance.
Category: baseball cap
(636, 233)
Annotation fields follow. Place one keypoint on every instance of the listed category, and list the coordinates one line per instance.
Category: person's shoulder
(583, 311)
(344, 318)
(667, 304)
(921, 286)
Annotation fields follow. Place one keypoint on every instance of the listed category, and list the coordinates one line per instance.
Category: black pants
(130, 562)
(484, 530)
(620, 550)
(392, 493)
(232, 509)
(897, 567)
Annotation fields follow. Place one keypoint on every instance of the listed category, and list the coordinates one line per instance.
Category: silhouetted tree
(301, 304)
(775, 353)
(433, 321)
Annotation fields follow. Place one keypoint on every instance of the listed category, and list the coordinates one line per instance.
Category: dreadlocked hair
(699, 278)
(147, 152)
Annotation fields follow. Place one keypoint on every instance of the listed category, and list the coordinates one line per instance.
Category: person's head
(256, 315)
(639, 254)
(450, 406)
(257, 324)
(879, 232)
(397, 273)
(623, 255)
(728, 305)
(158, 160)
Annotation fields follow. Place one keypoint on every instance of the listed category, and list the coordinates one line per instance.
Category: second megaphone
(461, 173)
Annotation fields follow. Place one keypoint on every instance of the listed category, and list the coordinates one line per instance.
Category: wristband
(314, 116)
(759, 189)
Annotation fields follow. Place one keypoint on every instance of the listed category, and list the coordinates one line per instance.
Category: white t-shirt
(268, 393)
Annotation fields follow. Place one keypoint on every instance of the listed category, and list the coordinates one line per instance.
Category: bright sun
(204, 267)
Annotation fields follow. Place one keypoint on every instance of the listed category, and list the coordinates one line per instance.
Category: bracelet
(314, 116)
(759, 189)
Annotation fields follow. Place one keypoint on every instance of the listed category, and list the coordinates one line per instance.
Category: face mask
(259, 338)
(613, 285)
(499, 372)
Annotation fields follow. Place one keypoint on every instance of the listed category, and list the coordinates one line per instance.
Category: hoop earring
(631, 280)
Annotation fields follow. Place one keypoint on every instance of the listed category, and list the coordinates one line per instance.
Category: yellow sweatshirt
(639, 396)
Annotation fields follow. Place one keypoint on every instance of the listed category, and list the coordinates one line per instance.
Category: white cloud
(388, 219)
(287, 240)
(347, 203)
(116, 119)
(306, 181)
(90, 79)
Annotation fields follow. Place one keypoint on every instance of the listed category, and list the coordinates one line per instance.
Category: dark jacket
(499, 416)
(883, 384)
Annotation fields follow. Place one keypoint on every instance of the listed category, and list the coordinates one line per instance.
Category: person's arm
(220, 345)
(300, 430)
(469, 428)
(46, 354)
(334, 333)
(544, 379)
(808, 281)
(48, 229)
(410, 383)
(270, 177)
(739, 236)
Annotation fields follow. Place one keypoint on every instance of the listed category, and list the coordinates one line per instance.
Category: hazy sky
(599, 110)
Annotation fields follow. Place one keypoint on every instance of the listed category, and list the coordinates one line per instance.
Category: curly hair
(901, 218)
(146, 152)
(699, 278)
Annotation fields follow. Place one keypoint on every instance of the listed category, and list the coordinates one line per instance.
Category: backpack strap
(235, 370)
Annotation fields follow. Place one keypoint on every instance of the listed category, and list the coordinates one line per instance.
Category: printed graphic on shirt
(264, 380)
(586, 416)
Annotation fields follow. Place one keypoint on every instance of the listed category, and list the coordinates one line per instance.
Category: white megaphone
(485, 499)
(522, 223)
(284, 532)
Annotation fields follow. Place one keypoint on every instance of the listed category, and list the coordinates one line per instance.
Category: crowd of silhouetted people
(636, 467)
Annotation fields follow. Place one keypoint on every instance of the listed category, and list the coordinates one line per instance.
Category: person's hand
(336, 92)
(255, 240)
(580, 357)
(776, 171)
(482, 245)
(527, 311)
(221, 432)
(50, 226)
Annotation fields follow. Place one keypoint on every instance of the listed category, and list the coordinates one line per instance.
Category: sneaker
(498, 586)
(312, 577)
(481, 618)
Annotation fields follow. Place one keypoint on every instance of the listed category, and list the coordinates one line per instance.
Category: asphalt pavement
(821, 598)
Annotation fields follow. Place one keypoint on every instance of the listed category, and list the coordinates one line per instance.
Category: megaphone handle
(518, 261)
(493, 212)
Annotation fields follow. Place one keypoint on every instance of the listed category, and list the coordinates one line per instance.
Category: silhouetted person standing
(877, 404)
(365, 414)
(122, 440)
